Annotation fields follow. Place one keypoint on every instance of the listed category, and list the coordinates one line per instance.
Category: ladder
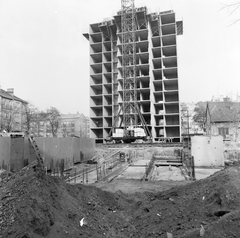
(37, 152)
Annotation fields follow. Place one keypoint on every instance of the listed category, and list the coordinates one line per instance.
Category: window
(223, 131)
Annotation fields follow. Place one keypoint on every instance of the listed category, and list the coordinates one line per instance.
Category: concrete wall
(18, 152)
(71, 150)
(11, 153)
(5, 151)
(207, 151)
(147, 153)
(87, 145)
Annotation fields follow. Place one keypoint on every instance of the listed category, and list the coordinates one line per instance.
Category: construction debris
(169, 235)
(34, 206)
(202, 231)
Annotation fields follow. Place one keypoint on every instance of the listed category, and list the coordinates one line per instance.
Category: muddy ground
(131, 186)
(34, 206)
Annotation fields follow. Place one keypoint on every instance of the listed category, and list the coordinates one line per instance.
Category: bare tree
(53, 116)
(11, 116)
(199, 116)
(30, 113)
(184, 118)
(232, 8)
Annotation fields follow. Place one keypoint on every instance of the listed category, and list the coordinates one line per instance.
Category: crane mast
(128, 28)
(131, 115)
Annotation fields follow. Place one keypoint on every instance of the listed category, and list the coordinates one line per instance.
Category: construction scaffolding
(134, 75)
(128, 27)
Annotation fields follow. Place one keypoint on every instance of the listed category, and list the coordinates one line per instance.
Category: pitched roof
(7, 95)
(72, 116)
(224, 111)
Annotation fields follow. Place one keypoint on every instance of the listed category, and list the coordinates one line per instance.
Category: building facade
(223, 118)
(76, 125)
(157, 73)
(11, 111)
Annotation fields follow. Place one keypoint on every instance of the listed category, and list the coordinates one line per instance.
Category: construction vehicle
(132, 133)
(132, 125)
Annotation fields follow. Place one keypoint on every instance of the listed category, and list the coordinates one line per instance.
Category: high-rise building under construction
(156, 73)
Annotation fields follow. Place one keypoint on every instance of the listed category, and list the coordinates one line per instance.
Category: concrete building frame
(156, 73)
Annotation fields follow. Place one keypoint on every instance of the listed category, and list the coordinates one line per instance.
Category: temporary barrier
(17, 152)
(207, 151)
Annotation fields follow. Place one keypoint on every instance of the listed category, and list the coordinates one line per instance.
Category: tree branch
(234, 22)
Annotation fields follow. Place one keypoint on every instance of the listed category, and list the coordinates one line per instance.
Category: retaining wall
(207, 151)
(5, 151)
(18, 152)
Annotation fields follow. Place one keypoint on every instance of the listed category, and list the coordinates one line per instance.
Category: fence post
(193, 169)
(83, 175)
(75, 177)
(61, 167)
(97, 171)
(87, 177)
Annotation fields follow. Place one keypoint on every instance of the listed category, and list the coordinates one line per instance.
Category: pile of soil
(36, 206)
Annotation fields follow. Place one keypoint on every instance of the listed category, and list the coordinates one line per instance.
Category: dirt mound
(31, 206)
(48, 207)
(182, 211)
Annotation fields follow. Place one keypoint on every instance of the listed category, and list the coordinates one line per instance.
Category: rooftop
(10, 96)
(226, 111)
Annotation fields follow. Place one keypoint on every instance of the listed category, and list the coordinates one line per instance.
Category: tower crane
(132, 118)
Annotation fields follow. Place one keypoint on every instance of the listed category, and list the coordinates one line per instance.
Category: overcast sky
(45, 58)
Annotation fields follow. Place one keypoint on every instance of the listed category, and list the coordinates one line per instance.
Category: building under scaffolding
(155, 69)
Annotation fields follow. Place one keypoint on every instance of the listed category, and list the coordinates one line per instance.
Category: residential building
(74, 125)
(11, 111)
(223, 118)
(157, 73)
(71, 125)
(39, 126)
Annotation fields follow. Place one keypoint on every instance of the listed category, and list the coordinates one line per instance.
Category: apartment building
(74, 125)
(70, 125)
(157, 73)
(11, 111)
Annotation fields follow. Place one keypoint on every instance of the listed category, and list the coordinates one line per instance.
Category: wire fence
(99, 168)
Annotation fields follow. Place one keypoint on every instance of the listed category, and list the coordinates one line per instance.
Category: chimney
(10, 91)
(226, 99)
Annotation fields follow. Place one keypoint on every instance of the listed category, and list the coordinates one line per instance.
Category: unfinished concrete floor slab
(136, 170)
(167, 173)
(133, 172)
(141, 162)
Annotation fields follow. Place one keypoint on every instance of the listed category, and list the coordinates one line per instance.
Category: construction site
(137, 176)
(134, 75)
